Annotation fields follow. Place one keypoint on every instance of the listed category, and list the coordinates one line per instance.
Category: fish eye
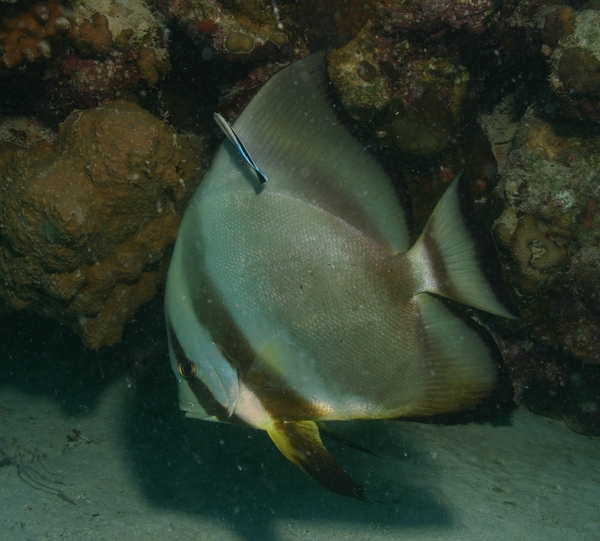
(188, 370)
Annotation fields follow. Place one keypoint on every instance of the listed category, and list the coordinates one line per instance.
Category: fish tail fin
(455, 256)
(301, 443)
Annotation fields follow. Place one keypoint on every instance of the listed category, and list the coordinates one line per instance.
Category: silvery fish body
(298, 301)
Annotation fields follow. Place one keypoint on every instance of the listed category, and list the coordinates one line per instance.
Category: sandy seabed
(87, 453)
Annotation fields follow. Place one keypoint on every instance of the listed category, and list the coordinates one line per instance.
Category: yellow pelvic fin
(301, 443)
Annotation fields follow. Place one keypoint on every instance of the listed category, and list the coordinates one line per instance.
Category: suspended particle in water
(276, 13)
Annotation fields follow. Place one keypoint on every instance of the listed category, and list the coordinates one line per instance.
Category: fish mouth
(188, 406)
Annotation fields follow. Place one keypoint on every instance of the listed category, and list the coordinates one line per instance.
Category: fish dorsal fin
(301, 443)
(293, 134)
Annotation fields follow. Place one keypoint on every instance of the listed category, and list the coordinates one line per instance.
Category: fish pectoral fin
(266, 371)
(270, 358)
(301, 443)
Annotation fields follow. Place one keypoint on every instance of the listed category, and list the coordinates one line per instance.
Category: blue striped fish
(293, 297)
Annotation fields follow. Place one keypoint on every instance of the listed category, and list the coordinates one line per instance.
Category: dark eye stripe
(274, 394)
(212, 314)
(188, 370)
(205, 398)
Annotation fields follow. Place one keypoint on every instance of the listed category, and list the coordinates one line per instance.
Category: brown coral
(549, 189)
(86, 222)
(410, 96)
(579, 72)
(153, 64)
(94, 37)
(355, 72)
(558, 25)
(31, 34)
(237, 30)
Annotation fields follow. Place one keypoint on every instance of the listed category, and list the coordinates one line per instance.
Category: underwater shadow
(232, 476)
(43, 358)
(236, 477)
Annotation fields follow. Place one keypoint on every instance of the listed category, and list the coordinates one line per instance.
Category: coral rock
(238, 42)
(101, 50)
(575, 64)
(32, 32)
(93, 37)
(409, 95)
(233, 29)
(85, 82)
(87, 221)
(120, 54)
(331, 24)
(108, 19)
(558, 25)
(355, 72)
(152, 64)
(550, 228)
(579, 72)
(537, 251)
(433, 16)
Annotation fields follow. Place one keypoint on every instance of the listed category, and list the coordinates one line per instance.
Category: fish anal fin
(301, 443)
(458, 369)
(326, 431)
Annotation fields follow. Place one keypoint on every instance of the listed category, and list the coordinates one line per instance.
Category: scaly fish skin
(297, 300)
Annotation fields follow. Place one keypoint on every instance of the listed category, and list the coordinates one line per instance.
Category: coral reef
(231, 29)
(119, 52)
(432, 16)
(330, 25)
(100, 50)
(356, 73)
(550, 227)
(34, 33)
(22, 132)
(572, 41)
(550, 384)
(86, 82)
(558, 25)
(409, 95)
(104, 25)
(546, 205)
(538, 251)
(87, 220)
(94, 37)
